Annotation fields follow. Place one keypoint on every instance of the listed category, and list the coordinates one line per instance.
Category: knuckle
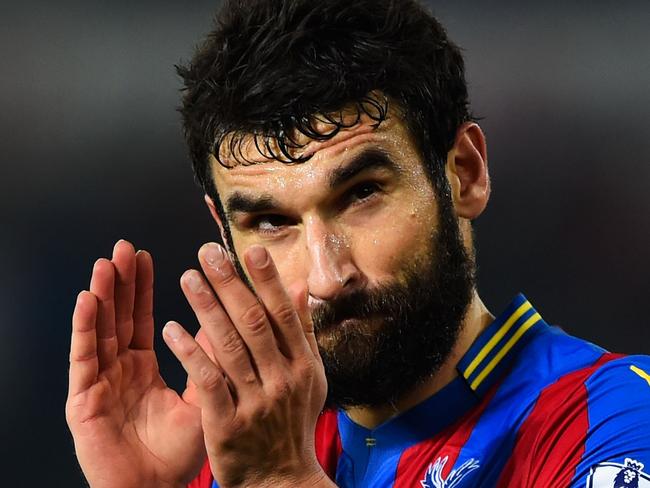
(254, 318)
(258, 412)
(232, 343)
(226, 275)
(190, 348)
(211, 379)
(249, 378)
(83, 357)
(281, 390)
(284, 313)
(306, 369)
(209, 303)
(266, 273)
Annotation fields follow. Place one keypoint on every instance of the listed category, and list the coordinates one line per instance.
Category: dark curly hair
(274, 67)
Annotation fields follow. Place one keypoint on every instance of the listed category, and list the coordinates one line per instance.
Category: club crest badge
(616, 475)
(433, 476)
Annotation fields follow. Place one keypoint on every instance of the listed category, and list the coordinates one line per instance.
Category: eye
(268, 224)
(363, 191)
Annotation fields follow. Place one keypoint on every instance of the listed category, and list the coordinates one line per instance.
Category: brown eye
(363, 191)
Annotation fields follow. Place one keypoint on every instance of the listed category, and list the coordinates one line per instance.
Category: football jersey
(531, 407)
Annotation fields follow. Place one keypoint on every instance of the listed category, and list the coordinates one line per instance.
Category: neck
(476, 320)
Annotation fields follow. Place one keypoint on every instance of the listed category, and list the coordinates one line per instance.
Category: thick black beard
(408, 329)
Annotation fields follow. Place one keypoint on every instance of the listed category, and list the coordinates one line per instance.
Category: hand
(129, 429)
(262, 393)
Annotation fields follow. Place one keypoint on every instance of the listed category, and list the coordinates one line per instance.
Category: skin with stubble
(308, 234)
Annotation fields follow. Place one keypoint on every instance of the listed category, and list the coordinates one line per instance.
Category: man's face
(359, 222)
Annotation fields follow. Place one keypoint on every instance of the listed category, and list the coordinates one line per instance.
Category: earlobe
(467, 171)
(215, 215)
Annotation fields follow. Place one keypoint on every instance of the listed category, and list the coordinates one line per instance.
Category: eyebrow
(238, 202)
(370, 159)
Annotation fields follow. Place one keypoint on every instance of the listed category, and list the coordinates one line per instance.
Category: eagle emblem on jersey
(616, 475)
(433, 476)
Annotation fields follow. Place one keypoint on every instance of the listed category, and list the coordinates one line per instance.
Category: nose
(332, 270)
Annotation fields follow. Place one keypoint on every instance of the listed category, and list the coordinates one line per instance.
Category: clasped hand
(255, 380)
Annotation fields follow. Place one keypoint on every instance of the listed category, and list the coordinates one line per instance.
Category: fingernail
(257, 256)
(173, 331)
(117, 244)
(193, 281)
(214, 255)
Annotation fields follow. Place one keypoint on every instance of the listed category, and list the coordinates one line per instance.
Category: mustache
(382, 300)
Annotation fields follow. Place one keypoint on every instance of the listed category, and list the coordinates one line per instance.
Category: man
(343, 341)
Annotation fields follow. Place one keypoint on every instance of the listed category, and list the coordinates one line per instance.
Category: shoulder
(618, 401)
(588, 417)
(625, 374)
(618, 437)
(591, 405)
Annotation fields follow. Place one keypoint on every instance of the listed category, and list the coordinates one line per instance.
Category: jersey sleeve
(617, 441)
(587, 429)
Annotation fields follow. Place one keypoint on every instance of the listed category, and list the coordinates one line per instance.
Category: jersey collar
(489, 357)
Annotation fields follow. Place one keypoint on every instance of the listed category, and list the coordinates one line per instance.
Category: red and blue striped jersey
(531, 407)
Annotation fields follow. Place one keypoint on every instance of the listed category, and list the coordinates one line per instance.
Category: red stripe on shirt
(551, 441)
(415, 460)
(328, 442)
(204, 479)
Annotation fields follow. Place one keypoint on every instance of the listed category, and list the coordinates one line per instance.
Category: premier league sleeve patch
(616, 475)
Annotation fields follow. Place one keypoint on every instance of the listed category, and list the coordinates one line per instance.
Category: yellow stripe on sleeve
(641, 373)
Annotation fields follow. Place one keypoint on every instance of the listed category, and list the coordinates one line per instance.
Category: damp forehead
(270, 176)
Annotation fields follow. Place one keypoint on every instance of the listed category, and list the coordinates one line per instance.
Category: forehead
(265, 174)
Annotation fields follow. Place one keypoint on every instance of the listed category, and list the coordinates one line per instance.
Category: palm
(129, 428)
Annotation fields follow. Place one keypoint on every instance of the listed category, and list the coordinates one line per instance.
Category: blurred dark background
(92, 152)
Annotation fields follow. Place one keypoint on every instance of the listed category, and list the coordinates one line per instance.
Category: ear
(215, 215)
(467, 171)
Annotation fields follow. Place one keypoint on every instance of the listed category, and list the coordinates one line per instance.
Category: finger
(273, 295)
(246, 312)
(102, 286)
(125, 268)
(227, 345)
(143, 302)
(202, 339)
(213, 392)
(84, 365)
(299, 294)
(190, 394)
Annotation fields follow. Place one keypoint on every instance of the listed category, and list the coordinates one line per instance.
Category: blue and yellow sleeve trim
(493, 351)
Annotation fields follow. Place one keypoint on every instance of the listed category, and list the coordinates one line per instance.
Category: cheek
(288, 256)
(289, 262)
(383, 249)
